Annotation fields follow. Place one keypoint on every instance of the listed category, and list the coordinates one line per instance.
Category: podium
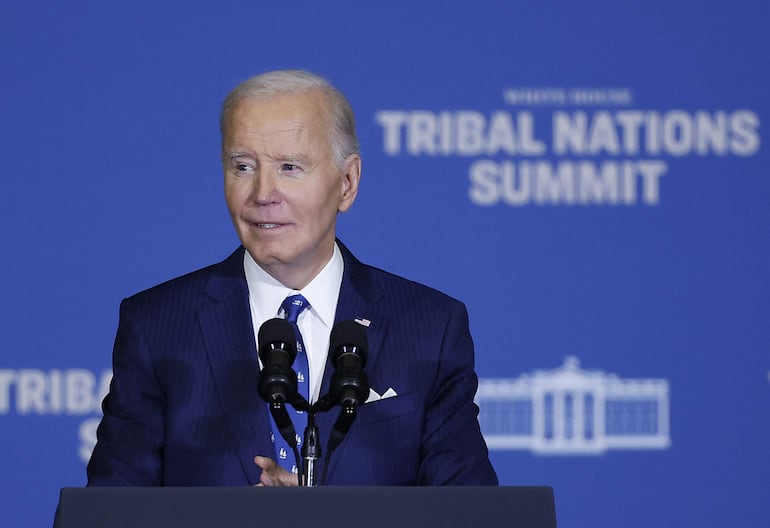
(321, 507)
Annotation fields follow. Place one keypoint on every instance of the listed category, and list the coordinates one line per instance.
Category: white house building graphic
(573, 411)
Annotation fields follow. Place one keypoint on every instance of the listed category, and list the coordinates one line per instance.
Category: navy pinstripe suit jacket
(183, 408)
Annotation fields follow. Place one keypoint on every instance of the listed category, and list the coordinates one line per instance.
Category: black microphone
(277, 350)
(349, 387)
(348, 348)
(277, 380)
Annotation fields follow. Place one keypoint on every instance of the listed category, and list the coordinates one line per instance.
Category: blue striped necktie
(292, 306)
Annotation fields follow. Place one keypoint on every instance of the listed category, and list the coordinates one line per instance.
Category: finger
(268, 467)
(265, 479)
(273, 474)
(266, 463)
(286, 478)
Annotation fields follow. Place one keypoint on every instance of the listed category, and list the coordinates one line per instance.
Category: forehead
(299, 116)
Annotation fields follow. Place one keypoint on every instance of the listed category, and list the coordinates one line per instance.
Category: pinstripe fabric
(183, 408)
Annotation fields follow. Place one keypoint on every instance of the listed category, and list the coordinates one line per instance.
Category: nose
(264, 189)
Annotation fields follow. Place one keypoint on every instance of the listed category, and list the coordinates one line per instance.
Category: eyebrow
(294, 156)
(237, 154)
(290, 157)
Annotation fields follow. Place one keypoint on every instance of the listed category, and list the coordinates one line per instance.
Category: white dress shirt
(266, 295)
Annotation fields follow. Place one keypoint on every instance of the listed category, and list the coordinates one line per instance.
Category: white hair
(344, 141)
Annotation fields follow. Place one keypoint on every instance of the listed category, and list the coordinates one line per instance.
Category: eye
(242, 166)
(289, 167)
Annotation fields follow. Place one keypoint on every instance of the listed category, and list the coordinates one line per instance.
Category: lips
(261, 224)
(264, 222)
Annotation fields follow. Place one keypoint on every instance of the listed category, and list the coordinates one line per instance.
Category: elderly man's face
(283, 186)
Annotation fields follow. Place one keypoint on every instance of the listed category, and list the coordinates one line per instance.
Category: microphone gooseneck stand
(278, 386)
(311, 451)
(337, 435)
(285, 428)
(311, 445)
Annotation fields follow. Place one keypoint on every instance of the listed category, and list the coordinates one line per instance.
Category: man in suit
(183, 407)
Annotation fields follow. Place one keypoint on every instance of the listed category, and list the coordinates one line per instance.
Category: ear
(350, 178)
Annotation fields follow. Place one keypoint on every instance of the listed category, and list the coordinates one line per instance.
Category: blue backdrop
(591, 178)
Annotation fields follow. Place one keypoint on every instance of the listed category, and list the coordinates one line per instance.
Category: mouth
(268, 226)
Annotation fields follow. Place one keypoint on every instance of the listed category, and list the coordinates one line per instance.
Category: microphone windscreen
(347, 334)
(280, 334)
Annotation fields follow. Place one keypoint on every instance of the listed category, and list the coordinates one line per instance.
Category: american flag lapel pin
(362, 321)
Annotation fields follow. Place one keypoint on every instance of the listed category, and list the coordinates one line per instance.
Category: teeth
(268, 226)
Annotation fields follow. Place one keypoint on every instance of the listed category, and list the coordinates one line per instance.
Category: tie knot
(293, 306)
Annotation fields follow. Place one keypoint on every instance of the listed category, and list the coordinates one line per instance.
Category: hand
(273, 474)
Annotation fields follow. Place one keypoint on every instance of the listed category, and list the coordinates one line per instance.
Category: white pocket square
(373, 396)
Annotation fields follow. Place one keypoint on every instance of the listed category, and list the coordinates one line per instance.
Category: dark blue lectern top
(322, 507)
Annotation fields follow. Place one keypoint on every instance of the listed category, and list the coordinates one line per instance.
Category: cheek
(230, 202)
(235, 208)
(234, 195)
(325, 207)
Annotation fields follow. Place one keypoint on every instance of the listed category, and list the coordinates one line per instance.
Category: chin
(265, 257)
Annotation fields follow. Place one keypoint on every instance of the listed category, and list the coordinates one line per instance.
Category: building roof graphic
(569, 410)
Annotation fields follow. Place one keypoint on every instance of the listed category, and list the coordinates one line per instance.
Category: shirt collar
(322, 292)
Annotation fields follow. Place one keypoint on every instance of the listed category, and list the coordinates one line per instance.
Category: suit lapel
(228, 335)
(357, 301)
